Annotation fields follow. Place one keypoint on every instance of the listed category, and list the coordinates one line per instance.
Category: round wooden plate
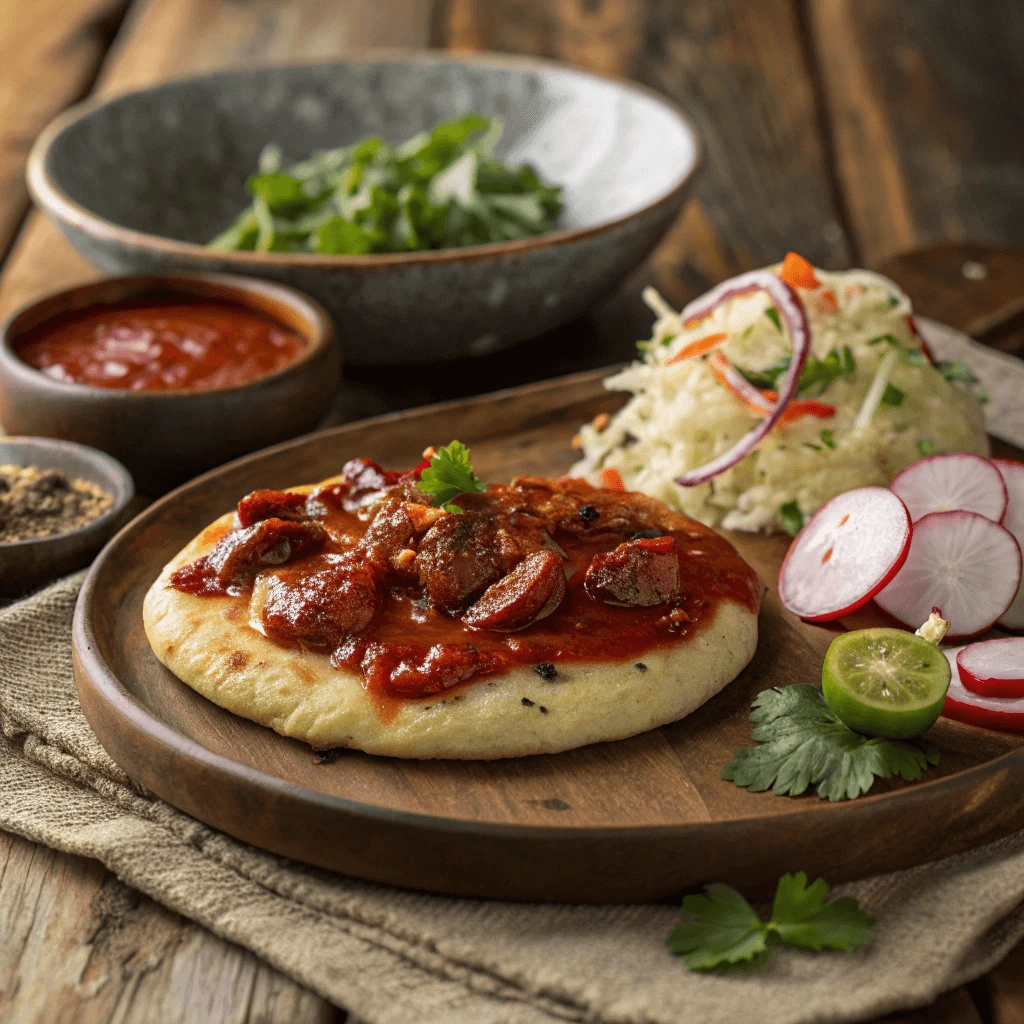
(635, 820)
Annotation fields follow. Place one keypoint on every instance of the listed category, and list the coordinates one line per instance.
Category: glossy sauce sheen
(413, 650)
(171, 346)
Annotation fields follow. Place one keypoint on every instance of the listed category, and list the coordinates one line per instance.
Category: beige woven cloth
(390, 956)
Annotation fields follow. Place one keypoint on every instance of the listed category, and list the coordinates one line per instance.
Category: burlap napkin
(392, 956)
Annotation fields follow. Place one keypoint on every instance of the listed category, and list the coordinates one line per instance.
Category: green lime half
(885, 682)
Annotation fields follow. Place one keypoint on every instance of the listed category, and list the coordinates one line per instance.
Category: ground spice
(38, 503)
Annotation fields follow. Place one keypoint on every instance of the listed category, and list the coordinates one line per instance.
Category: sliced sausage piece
(260, 505)
(243, 553)
(461, 555)
(408, 671)
(637, 574)
(531, 591)
(320, 608)
(364, 480)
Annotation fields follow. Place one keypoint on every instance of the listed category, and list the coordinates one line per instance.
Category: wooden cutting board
(634, 820)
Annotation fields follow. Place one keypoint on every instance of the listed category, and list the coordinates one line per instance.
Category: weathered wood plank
(80, 946)
(49, 53)
(923, 100)
(739, 70)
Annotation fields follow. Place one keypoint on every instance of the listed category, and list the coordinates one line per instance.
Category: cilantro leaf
(450, 474)
(802, 918)
(892, 395)
(802, 743)
(954, 371)
(828, 438)
(926, 447)
(440, 189)
(792, 518)
(817, 374)
(722, 929)
(773, 314)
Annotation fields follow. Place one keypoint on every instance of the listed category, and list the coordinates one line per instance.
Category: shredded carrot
(807, 407)
(797, 272)
(697, 348)
(600, 421)
(828, 301)
(692, 321)
(611, 480)
(720, 367)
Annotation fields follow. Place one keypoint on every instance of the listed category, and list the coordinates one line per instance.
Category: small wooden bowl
(27, 564)
(166, 437)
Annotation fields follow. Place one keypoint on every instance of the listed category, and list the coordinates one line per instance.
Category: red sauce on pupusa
(196, 345)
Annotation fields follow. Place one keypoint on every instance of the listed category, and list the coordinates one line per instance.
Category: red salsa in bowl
(176, 345)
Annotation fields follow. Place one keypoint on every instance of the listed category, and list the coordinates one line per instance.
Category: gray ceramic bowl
(27, 564)
(139, 183)
(165, 437)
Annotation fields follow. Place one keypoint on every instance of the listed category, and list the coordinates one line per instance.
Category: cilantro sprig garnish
(817, 374)
(442, 189)
(722, 929)
(450, 474)
(802, 743)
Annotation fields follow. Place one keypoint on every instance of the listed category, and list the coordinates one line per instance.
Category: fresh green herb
(954, 371)
(810, 444)
(441, 189)
(893, 301)
(926, 447)
(802, 743)
(746, 333)
(792, 518)
(915, 357)
(817, 374)
(450, 474)
(892, 395)
(890, 338)
(828, 438)
(773, 314)
(722, 929)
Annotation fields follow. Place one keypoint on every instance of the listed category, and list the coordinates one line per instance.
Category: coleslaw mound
(871, 402)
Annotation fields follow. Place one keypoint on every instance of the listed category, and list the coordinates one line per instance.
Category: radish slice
(993, 668)
(960, 563)
(946, 483)
(852, 547)
(792, 311)
(1003, 713)
(1013, 476)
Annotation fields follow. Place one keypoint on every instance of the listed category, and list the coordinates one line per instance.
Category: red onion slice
(792, 312)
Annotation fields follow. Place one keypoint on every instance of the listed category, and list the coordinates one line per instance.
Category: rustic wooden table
(846, 129)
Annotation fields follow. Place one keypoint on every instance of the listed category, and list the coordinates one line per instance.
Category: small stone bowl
(27, 564)
(167, 437)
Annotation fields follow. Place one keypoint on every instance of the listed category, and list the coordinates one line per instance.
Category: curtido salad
(776, 391)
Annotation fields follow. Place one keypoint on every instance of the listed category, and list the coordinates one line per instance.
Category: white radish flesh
(946, 483)
(1013, 476)
(960, 563)
(1002, 713)
(850, 549)
(993, 668)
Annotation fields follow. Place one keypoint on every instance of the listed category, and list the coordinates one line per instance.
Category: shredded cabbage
(891, 406)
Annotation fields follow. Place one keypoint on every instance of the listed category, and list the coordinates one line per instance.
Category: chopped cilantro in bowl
(441, 189)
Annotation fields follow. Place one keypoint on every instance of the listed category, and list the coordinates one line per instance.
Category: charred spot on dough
(546, 671)
(527, 703)
(543, 710)
(640, 667)
(238, 659)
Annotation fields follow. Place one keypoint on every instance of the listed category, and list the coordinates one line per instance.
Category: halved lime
(885, 682)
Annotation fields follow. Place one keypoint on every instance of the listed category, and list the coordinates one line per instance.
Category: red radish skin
(849, 550)
(993, 668)
(1013, 476)
(949, 483)
(1000, 713)
(961, 563)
